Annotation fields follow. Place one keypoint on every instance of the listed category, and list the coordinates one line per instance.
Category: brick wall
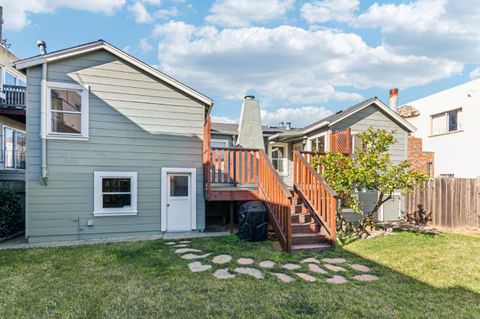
(420, 160)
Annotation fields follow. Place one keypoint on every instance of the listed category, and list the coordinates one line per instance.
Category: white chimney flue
(42, 46)
(394, 99)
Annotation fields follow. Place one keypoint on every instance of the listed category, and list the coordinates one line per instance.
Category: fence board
(453, 202)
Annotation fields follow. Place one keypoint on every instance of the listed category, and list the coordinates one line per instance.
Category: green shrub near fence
(11, 217)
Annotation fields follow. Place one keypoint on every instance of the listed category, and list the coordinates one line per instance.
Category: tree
(370, 168)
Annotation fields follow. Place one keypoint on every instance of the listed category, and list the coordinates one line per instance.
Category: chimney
(250, 133)
(42, 46)
(288, 126)
(1, 24)
(394, 99)
(281, 124)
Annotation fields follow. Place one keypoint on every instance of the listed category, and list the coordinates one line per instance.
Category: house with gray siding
(114, 147)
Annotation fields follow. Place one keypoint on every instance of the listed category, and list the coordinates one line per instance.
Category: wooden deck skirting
(317, 194)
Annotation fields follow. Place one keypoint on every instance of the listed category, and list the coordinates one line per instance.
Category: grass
(421, 276)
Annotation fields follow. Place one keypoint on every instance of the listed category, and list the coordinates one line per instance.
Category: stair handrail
(277, 199)
(317, 193)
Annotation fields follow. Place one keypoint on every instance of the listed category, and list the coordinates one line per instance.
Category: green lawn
(421, 276)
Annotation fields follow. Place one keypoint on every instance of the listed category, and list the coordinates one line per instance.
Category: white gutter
(43, 123)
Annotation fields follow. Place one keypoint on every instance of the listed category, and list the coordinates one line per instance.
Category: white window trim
(444, 114)
(4, 150)
(97, 194)
(285, 162)
(84, 123)
(193, 181)
(310, 140)
(221, 140)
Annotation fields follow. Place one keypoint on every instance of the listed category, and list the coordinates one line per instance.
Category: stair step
(297, 209)
(305, 227)
(301, 218)
(296, 200)
(311, 247)
(307, 238)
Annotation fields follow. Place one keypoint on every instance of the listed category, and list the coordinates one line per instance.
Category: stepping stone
(291, 266)
(194, 256)
(171, 243)
(337, 280)
(316, 268)
(306, 277)
(311, 260)
(223, 274)
(365, 277)
(267, 264)
(245, 261)
(359, 267)
(283, 277)
(250, 271)
(185, 242)
(187, 250)
(334, 260)
(180, 246)
(334, 268)
(198, 267)
(222, 259)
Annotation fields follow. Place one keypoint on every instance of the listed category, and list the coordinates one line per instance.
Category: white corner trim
(163, 196)
(97, 194)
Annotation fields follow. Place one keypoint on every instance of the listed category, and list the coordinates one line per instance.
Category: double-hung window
(115, 193)
(446, 122)
(14, 142)
(67, 111)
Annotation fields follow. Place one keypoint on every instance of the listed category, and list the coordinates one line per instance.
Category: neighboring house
(12, 123)
(358, 118)
(447, 125)
(114, 147)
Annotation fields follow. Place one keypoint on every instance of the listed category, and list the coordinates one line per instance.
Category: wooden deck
(232, 193)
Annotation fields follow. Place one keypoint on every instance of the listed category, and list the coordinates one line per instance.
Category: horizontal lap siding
(371, 116)
(136, 124)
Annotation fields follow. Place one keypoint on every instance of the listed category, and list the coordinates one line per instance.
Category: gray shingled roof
(232, 129)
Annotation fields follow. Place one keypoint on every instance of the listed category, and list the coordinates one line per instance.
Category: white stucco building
(449, 124)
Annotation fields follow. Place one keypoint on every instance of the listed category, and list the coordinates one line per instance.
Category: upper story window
(279, 157)
(14, 148)
(318, 143)
(12, 79)
(219, 142)
(67, 111)
(447, 122)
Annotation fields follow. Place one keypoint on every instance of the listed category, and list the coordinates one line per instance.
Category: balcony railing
(14, 96)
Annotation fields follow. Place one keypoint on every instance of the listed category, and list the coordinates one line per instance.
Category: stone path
(250, 271)
(324, 267)
(245, 261)
(222, 259)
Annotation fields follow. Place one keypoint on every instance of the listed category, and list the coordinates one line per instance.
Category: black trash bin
(252, 221)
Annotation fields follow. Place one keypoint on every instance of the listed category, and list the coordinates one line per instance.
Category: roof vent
(42, 46)
(339, 112)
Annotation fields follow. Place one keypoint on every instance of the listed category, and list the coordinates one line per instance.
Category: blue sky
(301, 59)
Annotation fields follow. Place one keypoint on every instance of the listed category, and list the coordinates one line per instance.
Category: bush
(11, 218)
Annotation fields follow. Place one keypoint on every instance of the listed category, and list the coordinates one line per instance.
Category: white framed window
(14, 148)
(318, 143)
(219, 142)
(279, 155)
(357, 143)
(446, 122)
(67, 111)
(115, 193)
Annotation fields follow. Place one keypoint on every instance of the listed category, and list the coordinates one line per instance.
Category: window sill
(114, 213)
(448, 133)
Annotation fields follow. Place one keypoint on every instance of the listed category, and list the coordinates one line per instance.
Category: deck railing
(317, 193)
(14, 96)
(278, 200)
(233, 165)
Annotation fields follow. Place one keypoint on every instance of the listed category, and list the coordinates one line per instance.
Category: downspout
(43, 124)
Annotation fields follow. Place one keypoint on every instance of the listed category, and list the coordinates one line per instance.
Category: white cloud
(434, 28)
(144, 45)
(329, 10)
(299, 117)
(140, 12)
(304, 67)
(241, 13)
(475, 74)
(16, 11)
(223, 119)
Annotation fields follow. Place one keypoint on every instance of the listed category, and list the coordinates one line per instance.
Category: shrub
(11, 218)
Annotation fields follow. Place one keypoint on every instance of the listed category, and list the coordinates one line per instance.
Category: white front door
(179, 201)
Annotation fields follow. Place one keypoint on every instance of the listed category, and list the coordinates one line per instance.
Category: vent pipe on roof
(288, 126)
(394, 99)
(42, 46)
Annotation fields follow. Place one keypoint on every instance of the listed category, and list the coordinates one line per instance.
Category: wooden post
(232, 207)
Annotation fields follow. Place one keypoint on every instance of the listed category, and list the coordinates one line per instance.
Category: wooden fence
(452, 202)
